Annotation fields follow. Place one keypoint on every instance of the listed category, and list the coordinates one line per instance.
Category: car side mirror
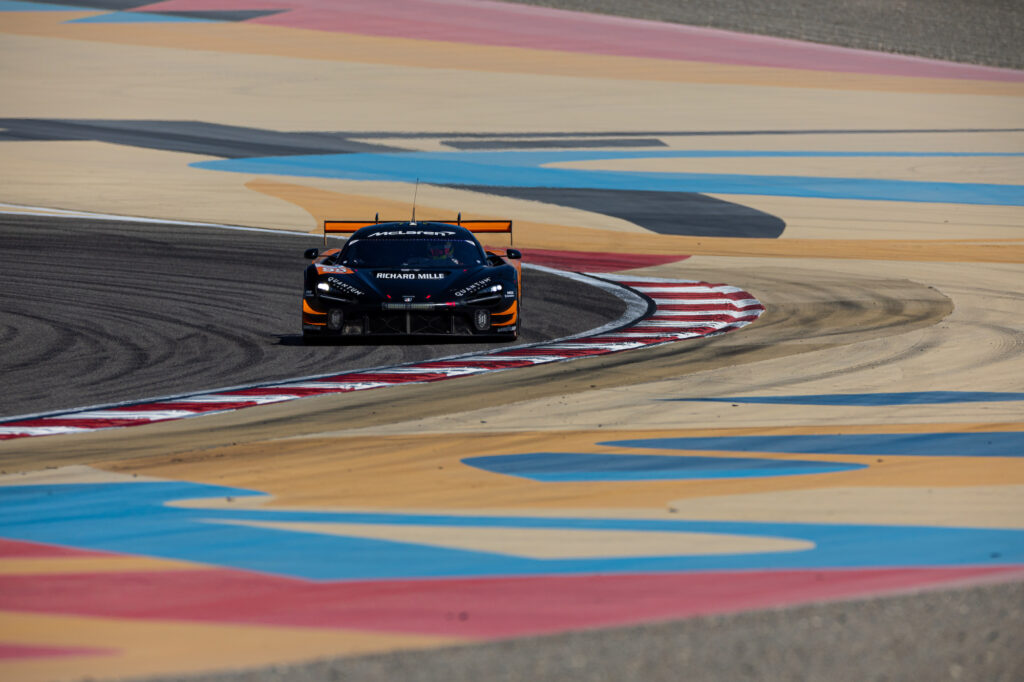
(513, 254)
(311, 253)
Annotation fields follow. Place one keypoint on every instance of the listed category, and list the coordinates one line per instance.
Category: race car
(426, 278)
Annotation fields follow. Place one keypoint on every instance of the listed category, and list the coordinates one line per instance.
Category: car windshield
(411, 253)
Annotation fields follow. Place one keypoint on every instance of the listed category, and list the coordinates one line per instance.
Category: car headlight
(486, 291)
(323, 286)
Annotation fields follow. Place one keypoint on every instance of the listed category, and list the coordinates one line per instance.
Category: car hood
(417, 283)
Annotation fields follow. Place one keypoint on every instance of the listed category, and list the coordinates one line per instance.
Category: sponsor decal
(413, 233)
(343, 286)
(336, 269)
(475, 286)
(410, 275)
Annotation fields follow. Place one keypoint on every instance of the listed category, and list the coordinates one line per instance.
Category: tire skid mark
(679, 310)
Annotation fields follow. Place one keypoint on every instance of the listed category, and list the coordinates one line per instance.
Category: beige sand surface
(549, 543)
(149, 647)
(251, 39)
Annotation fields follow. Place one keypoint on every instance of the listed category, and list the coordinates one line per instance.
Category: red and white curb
(681, 310)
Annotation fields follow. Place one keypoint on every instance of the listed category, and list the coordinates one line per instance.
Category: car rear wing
(474, 226)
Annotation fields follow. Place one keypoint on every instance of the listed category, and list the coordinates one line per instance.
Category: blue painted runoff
(16, 6)
(990, 444)
(139, 519)
(135, 18)
(533, 169)
(869, 399)
(581, 466)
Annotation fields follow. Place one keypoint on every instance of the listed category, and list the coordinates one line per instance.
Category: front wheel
(510, 336)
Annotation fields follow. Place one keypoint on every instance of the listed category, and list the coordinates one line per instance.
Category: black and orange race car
(412, 278)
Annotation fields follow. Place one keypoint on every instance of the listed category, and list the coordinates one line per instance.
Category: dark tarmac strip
(102, 311)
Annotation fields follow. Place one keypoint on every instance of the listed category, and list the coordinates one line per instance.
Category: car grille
(418, 323)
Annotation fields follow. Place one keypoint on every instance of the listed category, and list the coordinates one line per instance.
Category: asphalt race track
(804, 462)
(940, 29)
(103, 312)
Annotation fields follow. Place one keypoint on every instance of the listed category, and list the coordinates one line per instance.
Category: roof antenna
(414, 193)
(458, 221)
